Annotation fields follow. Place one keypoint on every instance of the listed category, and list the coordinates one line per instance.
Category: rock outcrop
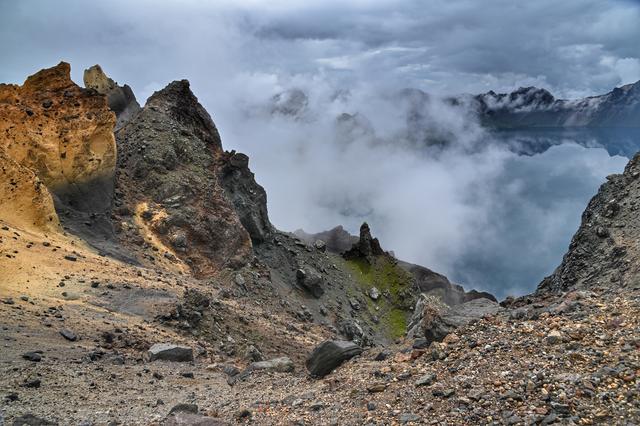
(434, 321)
(121, 99)
(64, 134)
(168, 185)
(366, 248)
(603, 252)
(248, 198)
(435, 284)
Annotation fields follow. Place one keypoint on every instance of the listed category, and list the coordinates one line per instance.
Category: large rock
(433, 320)
(169, 162)
(311, 280)
(330, 354)
(170, 352)
(121, 99)
(280, 365)
(189, 419)
(31, 420)
(64, 134)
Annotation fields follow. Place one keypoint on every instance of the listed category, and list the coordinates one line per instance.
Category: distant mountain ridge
(529, 107)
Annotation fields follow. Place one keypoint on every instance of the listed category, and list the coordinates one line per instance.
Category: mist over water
(435, 187)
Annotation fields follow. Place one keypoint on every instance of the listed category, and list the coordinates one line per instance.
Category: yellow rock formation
(62, 132)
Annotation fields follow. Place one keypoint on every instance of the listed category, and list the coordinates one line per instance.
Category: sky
(474, 210)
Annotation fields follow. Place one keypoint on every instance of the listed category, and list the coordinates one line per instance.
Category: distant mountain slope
(534, 107)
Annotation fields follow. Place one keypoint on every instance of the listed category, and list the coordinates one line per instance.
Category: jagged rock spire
(367, 247)
(121, 99)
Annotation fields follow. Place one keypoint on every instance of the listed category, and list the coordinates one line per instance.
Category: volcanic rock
(435, 321)
(280, 365)
(121, 99)
(169, 163)
(64, 135)
(366, 248)
(170, 352)
(329, 355)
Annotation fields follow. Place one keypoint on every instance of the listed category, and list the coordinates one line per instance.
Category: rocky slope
(191, 308)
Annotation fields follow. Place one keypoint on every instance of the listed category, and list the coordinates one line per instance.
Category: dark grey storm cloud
(475, 210)
(573, 47)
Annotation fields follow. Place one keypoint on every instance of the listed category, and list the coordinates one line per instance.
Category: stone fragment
(330, 354)
(170, 352)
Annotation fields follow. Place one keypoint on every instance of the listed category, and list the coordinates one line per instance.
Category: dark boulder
(31, 420)
(170, 352)
(330, 354)
(311, 280)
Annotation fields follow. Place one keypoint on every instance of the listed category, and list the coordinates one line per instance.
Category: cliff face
(167, 184)
(64, 135)
(604, 251)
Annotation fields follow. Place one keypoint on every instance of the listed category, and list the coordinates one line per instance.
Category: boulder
(170, 352)
(311, 280)
(280, 365)
(31, 420)
(434, 322)
(330, 354)
(68, 334)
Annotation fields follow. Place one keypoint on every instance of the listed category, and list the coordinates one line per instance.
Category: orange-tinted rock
(64, 133)
(26, 202)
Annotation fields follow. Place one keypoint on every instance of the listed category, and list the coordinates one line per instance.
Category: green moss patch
(395, 285)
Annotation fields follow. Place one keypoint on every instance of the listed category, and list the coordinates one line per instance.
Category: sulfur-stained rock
(62, 132)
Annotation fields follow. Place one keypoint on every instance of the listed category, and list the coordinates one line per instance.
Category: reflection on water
(617, 141)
